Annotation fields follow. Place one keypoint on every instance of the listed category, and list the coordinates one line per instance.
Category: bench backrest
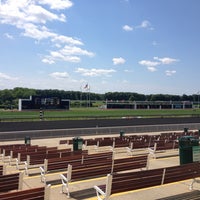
(142, 179)
(11, 182)
(90, 170)
(35, 194)
(182, 172)
(2, 170)
(136, 162)
(67, 158)
(136, 180)
(40, 193)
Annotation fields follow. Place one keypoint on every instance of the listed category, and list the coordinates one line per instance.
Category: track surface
(70, 124)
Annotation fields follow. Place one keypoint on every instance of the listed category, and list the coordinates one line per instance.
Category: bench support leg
(47, 192)
(193, 181)
(42, 175)
(101, 195)
(21, 175)
(65, 185)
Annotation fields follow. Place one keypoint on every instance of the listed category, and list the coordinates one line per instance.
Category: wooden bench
(116, 183)
(2, 170)
(22, 155)
(38, 158)
(66, 141)
(100, 168)
(11, 182)
(55, 164)
(135, 162)
(90, 142)
(77, 161)
(118, 144)
(40, 193)
(84, 172)
(153, 151)
(5, 151)
(19, 152)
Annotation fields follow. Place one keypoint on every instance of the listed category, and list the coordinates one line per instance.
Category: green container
(77, 143)
(27, 140)
(121, 133)
(185, 130)
(185, 148)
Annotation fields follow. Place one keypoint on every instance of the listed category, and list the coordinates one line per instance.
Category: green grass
(93, 113)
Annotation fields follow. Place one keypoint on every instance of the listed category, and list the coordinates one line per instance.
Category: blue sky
(143, 46)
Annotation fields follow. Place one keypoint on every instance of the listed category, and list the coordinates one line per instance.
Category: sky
(142, 46)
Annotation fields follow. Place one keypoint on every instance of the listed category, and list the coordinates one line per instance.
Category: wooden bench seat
(124, 182)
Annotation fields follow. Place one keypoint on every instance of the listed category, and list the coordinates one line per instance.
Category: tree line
(9, 97)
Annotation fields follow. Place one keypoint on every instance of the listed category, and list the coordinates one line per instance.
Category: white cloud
(146, 25)
(26, 11)
(118, 61)
(72, 50)
(48, 60)
(59, 75)
(65, 39)
(151, 69)
(9, 36)
(95, 72)
(36, 32)
(127, 28)
(128, 71)
(37, 14)
(151, 65)
(170, 72)
(57, 4)
(7, 77)
(68, 54)
(31, 17)
(57, 55)
(166, 60)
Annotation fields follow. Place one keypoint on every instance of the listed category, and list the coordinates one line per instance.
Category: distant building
(149, 105)
(46, 103)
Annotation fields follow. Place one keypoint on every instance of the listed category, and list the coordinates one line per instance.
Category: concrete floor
(84, 189)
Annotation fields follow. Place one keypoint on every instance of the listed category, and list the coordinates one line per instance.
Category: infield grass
(94, 113)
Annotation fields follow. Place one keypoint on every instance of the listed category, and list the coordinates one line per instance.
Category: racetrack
(75, 128)
(71, 124)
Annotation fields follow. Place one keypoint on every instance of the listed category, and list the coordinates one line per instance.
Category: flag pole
(81, 96)
(89, 95)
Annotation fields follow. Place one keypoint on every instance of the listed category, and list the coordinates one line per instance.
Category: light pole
(198, 98)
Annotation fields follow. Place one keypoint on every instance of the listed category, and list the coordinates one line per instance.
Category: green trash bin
(185, 130)
(121, 133)
(185, 148)
(27, 140)
(77, 143)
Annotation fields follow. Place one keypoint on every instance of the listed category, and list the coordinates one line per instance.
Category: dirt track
(69, 124)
